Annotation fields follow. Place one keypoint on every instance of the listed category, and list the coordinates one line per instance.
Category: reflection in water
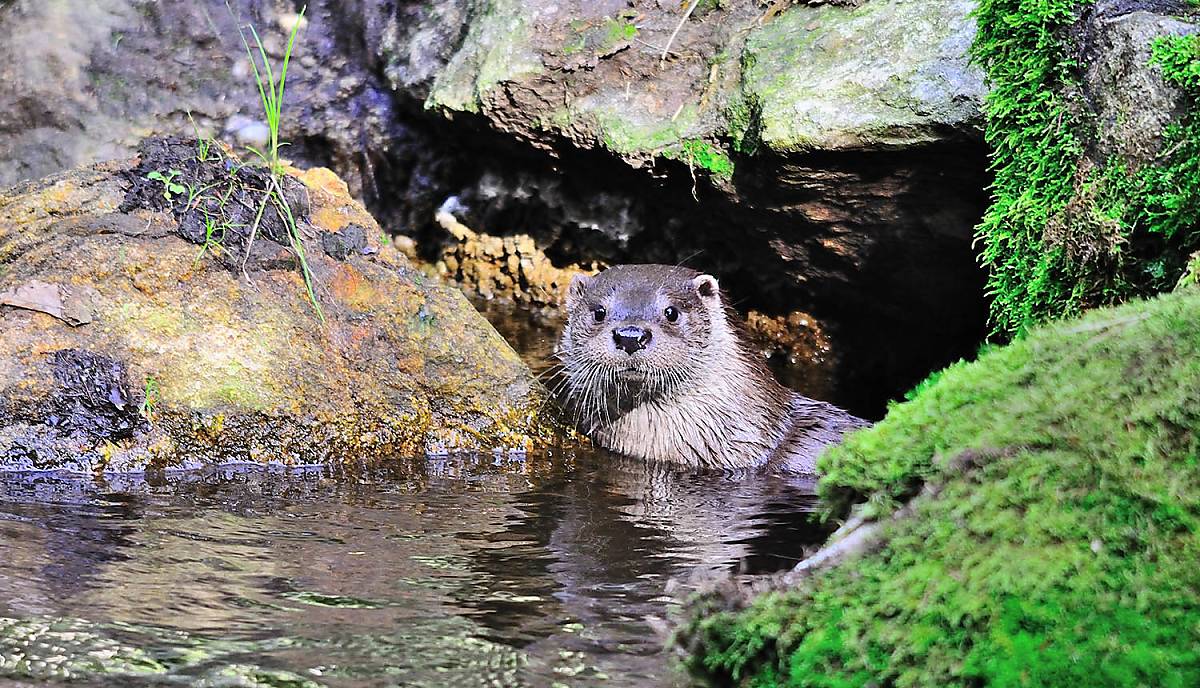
(457, 572)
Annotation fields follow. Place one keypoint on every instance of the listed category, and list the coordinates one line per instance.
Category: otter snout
(631, 338)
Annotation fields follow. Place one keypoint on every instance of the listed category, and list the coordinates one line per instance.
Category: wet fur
(700, 396)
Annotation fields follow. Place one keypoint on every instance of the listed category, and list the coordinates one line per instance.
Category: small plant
(214, 237)
(270, 91)
(298, 247)
(170, 187)
(271, 88)
(203, 143)
(150, 399)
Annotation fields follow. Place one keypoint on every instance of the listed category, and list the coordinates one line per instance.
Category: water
(466, 571)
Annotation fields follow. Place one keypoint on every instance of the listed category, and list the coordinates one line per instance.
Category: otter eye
(671, 314)
(599, 313)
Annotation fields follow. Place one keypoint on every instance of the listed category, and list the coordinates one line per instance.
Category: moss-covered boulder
(171, 311)
(1049, 534)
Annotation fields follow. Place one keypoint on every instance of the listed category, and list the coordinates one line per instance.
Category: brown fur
(696, 395)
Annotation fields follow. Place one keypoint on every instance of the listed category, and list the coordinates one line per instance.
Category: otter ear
(707, 287)
(579, 286)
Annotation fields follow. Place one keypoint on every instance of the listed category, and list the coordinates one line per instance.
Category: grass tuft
(271, 90)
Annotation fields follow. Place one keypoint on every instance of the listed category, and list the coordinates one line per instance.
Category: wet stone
(352, 239)
(94, 398)
(185, 352)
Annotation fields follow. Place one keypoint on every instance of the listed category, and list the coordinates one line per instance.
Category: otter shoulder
(815, 425)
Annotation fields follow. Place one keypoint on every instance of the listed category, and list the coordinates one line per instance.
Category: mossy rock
(883, 74)
(129, 344)
(1050, 535)
(1093, 120)
(819, 76)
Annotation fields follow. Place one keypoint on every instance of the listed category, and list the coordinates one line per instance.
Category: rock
(193, 352)
(834, 147)
(886, 74)
(247, 132)
(1008, 517)
(1130, 104)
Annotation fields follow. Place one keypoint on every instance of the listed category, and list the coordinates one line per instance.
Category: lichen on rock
(888, 73)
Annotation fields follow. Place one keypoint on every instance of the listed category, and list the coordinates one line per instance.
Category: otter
(655, 365)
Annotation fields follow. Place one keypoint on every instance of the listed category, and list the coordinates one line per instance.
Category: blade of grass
(297, 246)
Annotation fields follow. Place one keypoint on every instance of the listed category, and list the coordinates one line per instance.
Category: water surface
(461, 571)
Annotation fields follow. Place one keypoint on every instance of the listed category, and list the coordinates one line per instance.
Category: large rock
(1130, 105)
(136, 334)
(884, 73)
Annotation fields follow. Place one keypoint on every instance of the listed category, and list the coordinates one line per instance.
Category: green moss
(624, 136)
(1036, 151)
(1059, 551)
(1169, 194)
(701, 154)
(617, 31)
(495, 50)
(575, 44)
(1191, 276)
(1064, 234)
(743, 115)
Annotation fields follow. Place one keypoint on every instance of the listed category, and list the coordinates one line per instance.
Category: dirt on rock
(220, 202)
(94, 398)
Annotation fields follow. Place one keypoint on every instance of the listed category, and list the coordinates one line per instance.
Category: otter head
(637, 332)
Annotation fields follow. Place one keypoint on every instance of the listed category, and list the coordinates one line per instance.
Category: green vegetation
(170, 188)
(150, 399)
(1060, 549)
(618, 30)
(271, 93)
(1065, 233)
(271, 90)
(203, 143)
(214, 235)
(577, 42)
(604, 38)
(744, 115)
(700, 154)
(708, 157)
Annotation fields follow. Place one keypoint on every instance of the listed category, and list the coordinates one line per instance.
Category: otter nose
(630, 339)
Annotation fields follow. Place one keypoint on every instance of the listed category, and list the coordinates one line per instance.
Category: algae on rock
(1054, 542)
